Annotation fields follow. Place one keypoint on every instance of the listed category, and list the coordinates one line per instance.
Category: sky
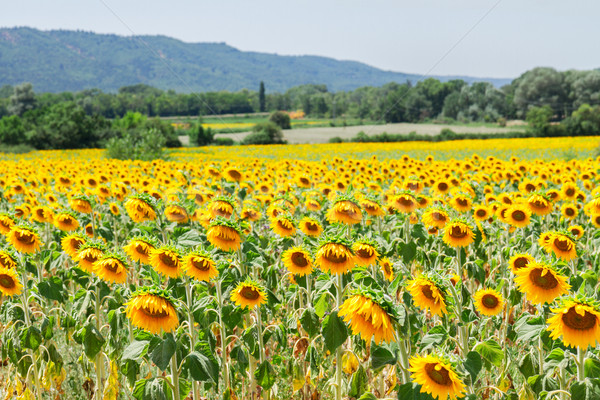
(481, 38)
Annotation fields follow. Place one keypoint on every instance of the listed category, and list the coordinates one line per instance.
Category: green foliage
(12, 130)
(264, 133)
(137, 145)
(22, 100)
(261, 97)
(200, 136)
(221, 141)
(281, 119)
(539, 118)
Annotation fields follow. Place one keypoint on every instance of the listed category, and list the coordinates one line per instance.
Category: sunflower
(224, 235)
(436, 377)
(312, 205)
(6, 222)
(442, 187)
(481, 212)
(310, 227)
(111, 268)
(8, 259)
(461, 203)
(71, 244)
(200, 266)
(114, 209)
(569, 211)
(368, 318)
(387, 268)
(541, 282)
(152, 310)
(248, 294)
(595, 219)
(372, 207)
(88, 254)
(365, 252)
(233, 175)
(577, 231)
(404, 202)
(297, 260)
(65, 221)
(457, 233)
(488, 302)
(139, 248)
(176, 213)
(519, 261)
(9, 282)
(41, 214)
(81, 204)
(435, 217)
(222, 207)
(539, 204)
(250, 214)
(335, 255)
(518, 215)
(344, 210)
(141, 207)
(167, 261)
(577, 320)
(429, 294)
(24, 238)
(559, 243)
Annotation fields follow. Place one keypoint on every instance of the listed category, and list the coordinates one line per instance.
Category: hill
(61, 60)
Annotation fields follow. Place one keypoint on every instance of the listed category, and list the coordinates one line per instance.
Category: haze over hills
(61, 60)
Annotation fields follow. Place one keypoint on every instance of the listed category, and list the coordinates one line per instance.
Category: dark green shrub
(265, 133)
(282, 119)
(221, 141)
(336, 139)
(137, 144)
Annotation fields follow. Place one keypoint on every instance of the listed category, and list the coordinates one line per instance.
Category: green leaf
(31, 338)
(135, 350)
(310, 322)
(359, 383)
(591, 366)
(367, 396)
(321, 306)
(52, 288)
(435, 337)
(529, 328)
(409, 251)
(381, 356)
(161, 356)
(334, 331)
(200, 366)
(491, 352)
(155, 389)
(473, 365)
(527, 367)
(265, 375)
(92, 340)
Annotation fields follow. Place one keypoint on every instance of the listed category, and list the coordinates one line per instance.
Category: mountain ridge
(67, 60)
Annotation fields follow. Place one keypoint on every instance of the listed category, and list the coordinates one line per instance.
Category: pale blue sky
(398, 35)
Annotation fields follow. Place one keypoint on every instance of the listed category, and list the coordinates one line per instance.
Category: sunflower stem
(540, 355)
(189, 300)
(99, 356)
(175, 377)
(338, 356)
(404, 361)
(266, 393)
(225, 366)
(36, 374)
(580, 364)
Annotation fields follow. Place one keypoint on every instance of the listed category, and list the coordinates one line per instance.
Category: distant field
(322, 134)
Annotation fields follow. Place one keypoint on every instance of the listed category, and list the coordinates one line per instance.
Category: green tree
(200, 136)
(265, 133)
(539, 87)
(22, 100)
(12, 130)
(539, 118)
(141, 144)
(261, 97)
(281, 119)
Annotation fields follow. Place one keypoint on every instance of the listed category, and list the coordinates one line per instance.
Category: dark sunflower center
(7, 281)
(142, 249)
(427, 292)
(249, 293)
(336, 258)
(284, 224)
(442, 186)
(546, 282)
(201, 264)
(111, 266)
(576, 232)
(462, 202)
(481, 213)
(155, 313)
(405, 201)
(90, 257)
(413, 186)
(26, 237)
(570, 212)
(235, 174)
(304, 181)
(562, 244)
(387, 268)
(538, 204)
(441, 376)
(489, 300)
(177, 215)
(167, 260)
(519, 215)
(299, 259)
(438, 217)
(521, 262)
(226, 234)
(530, 187)
(457, 232)
(365, 253)
(311, 226)
(573, 320)
(570, 192)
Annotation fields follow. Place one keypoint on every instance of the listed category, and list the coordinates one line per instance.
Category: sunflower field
(453, 270)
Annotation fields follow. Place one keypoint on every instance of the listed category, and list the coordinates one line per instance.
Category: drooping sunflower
(519, 261)
(577, 320)
(152, 310)
(344, 210)
(166, 260)
(250, 214)
(435, 217)
(248, 294)
(461, 203)
(365, 251)
(88, 254)
(200, 266)
(539, 203)
(232, 174)
(335, 255)
(141, 207)
(595, 220)
(81, 203)
(297, 260)
(176, 213)
(8, 259)
(541, 282)
(312, 204)
(6, 222)
(404, 202)
(111, 268)
(387, 268)
(222, 206)
(437, 377)
(577, 231)
(428, 294)
(518, 215)
(488, 302)
(310, 227)
(372, 207)
(283, 225)
(224, 235)
(66, 221)
(72, 243)
(368, 317)
(42, 214)
(458, 233)
(562, 245)
(24, 238)
(9, 282)
(139, 248)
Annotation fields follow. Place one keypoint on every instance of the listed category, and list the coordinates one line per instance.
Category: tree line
(543, 96)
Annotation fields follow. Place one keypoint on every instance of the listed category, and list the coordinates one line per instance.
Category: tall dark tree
(261, 97)
(22, 100)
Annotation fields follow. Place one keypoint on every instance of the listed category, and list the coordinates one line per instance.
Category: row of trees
(564, 92)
